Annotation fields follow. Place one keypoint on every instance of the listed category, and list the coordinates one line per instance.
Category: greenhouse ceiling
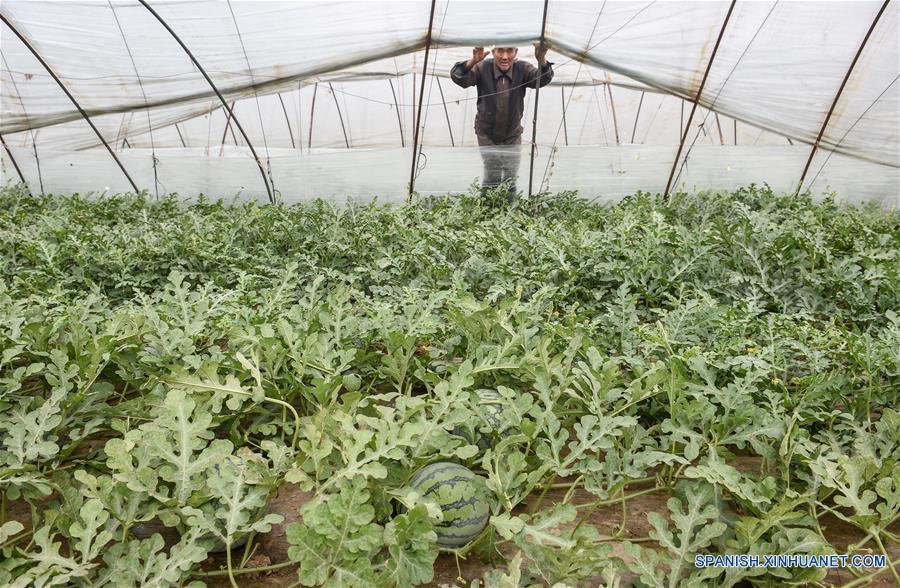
(296, 100)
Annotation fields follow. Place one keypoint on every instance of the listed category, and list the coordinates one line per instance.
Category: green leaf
(10, 529)
(646, 563)
(849, 476)
(696, 525)
(145, 563)
(507, 525)
(540, 528)
(179, 438)
(715, 471)
(88, 535)
(47, 566)
(338, 537)
(30, 434)
(237, 506)
(411, 543)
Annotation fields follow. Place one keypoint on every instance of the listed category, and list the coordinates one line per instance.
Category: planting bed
(719, 373)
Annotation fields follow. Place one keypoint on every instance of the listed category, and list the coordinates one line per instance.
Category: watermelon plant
(483, 430)
(445, 382)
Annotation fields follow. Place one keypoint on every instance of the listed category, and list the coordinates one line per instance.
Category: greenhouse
(450, 293)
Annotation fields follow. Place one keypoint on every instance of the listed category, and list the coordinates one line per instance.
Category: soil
(450, 572)
(607, 520)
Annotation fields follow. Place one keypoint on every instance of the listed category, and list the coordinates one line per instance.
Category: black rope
(262, 126)
(847, 132)
(537, 96)
(299, 119)
(180, 137)
(696, 99)
(600, 115)
(423, 122)
(566, 103)
(144, 95)
(446, 112)
(228, 111)
(837, 96)
(652, 120)
(69, 95)
(216, 90)
(13, 160)
(31, 131)
(347, 117)
(417, 115)
(721, 89)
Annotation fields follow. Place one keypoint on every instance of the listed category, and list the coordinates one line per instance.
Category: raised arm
(546, 68)
(463, 73)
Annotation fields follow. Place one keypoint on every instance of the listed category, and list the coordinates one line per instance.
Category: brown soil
(272, 547)
(607, 520)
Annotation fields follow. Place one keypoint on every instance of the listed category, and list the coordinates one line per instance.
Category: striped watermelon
(480, 434)
(462, 496)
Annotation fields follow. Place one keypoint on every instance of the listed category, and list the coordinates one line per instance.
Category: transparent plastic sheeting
(380, 113)
(596, 172)
(625, 74)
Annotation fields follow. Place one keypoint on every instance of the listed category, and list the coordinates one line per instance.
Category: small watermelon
(489, 406)
(462, 496)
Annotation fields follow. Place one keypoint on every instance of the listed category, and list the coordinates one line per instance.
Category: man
(501, 83)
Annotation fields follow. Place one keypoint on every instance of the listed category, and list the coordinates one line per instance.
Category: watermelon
(462, 496)
(490, 408)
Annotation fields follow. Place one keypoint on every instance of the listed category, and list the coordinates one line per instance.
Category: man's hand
(540, 53)
(478, 55)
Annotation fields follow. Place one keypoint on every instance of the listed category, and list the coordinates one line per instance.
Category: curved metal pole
(312, 113)
(399, 120)
(340, 116)
(228, 125)
(13, 160)
(288, 121)
(119, 132)
(446, 112)
(838, 95)
(687, 127)
(612, 107)
(62, 86)
(418, 120)
(300, 120)
(537, 95)
(225, 131)
(636, 117)
(219, 94)
(180, 136)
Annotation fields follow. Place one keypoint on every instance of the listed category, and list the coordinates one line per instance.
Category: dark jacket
(522, 75)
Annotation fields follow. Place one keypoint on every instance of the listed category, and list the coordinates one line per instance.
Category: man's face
(504, 57)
